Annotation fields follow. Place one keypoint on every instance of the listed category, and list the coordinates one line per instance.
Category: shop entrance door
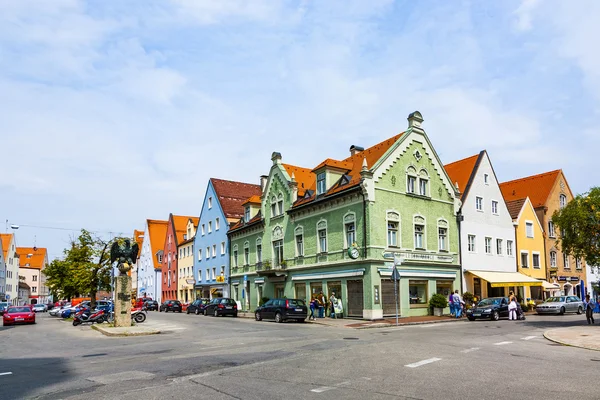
(388, 302)
(300, 289)
(279, 291)
(355, 298)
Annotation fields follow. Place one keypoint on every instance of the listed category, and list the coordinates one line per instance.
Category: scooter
(138, 315)
(85, 315)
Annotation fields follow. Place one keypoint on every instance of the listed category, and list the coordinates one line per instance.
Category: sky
(113, 112)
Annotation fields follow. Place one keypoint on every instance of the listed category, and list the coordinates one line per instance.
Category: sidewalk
(586, 337)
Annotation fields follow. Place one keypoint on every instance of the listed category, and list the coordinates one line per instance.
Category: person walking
(313, 305)
(322, 304)
(332, 304)
(451, 303)
(589, 306)
(512, 306)
(458, 302)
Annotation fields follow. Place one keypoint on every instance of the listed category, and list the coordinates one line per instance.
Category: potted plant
(438, 302)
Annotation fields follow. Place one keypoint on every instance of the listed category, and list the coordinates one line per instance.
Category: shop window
(444, 288)
(417, 292)
(300, 291)
(315, 289)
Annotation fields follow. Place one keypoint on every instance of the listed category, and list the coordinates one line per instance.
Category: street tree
(579, 224)
(59, 279)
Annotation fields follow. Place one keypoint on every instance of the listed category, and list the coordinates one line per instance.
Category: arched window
(393, 229)
(273, 206)
(423, 183)
(299, 237)
(443, 241)
(259, 250)
(280, 204)
(563, 201)
(235, 255)
(349, 229)
(322, 236)
(246, 253)
(419, 232)
(411, 180)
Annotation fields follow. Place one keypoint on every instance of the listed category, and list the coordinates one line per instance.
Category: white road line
(322, 389)
(5, 373)
(501, 343)
(470, 350)
(423, 362)
(528, 337)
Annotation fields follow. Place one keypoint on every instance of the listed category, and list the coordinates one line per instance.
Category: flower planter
(438, 312)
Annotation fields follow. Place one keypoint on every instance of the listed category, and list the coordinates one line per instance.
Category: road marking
(423, 362)
(501, 343)
(5, 373)
(322, 389)
(470, 350)
(121, 377)
(528, 337)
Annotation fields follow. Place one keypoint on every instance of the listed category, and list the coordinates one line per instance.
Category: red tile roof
(252, 200)
(460, 172)
(157, 230)
(536, 187)
(304, 177)
(37, 260)
(232, 196)
(180, 226)
(335, 164)
(139, 240)
(6, 239)
(515, 207)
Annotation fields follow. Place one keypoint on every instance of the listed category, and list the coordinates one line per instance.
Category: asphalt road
(201, 357)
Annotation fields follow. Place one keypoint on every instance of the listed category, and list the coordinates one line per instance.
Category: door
(279, 291)
(503, 309)
(300, 291)
(388, 300)
(355, 298)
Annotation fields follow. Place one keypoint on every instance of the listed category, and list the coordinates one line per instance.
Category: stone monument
(125, 255)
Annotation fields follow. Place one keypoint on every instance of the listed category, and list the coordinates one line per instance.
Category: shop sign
(220, 279)
(574, 279)
(562, 278)
(190, 281)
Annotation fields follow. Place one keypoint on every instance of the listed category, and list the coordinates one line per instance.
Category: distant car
(492, 308)
(197, 306)
(3, 307)
(221, 306)
(171, 305)
(40, 308)
(18, 315)
(150, 305)
(282, 310)
(560, 305)
(57, 311)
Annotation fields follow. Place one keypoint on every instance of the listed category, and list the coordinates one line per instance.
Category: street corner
(125, 331)
(585, 337)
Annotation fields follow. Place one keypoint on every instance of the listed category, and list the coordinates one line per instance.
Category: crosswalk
(164, 327)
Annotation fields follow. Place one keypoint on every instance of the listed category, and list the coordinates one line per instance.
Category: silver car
(560, 305)
(40, 307)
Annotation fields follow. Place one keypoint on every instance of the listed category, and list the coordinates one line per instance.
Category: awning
(506, 279)
(329, 275)
(550, 286)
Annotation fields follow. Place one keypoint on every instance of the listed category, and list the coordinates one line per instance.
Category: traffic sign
(245, 278)
(7, 297)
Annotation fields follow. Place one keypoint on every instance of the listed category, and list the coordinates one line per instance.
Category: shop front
(500, 284)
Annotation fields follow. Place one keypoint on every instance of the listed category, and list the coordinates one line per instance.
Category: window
(471, 243)
(207, 274)
(486, 179)
(411, 182)
(209, 226)
(222, 248)
(209, 203)
(214, 250)
(509, 249)
(217, 224)
(246, 254)
(34, 278)
(247, 214)
(423, 187)
(200, 255)
(419, 232)
(258, 251)
(321, 184)
(350, 234)
(203, 229)
(499, 247)
(214, 273)
(278, 252)
(159, 258)
(322, 232)
(180, 253)
(222, 271)
(280, 204)
(273, 206)
(33, 289)
(443, 239)
(552, 259)
(577, 264)
(524, 260)
(494, 207)
(299, 232)
(488, 245)
(417, 292)
(551, 231)
(392, 233)
(479, 203)
(207, 252)
(563, 201)
(536, 260)
(529, 229)
(235, 257)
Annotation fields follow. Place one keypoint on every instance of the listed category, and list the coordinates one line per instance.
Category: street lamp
(398, 260)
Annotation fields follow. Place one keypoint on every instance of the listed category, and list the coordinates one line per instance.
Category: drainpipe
(364, 224)
(459, 219)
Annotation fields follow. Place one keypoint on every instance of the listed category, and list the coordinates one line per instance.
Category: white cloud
(523, 14)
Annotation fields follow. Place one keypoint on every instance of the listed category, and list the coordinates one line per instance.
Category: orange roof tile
(304, 177)
(335, 164)
(536, 187)
(37, 259)
(157, 229)
(460, 172)
(6, 239)
(180, 226)
(232, 195)
(139, 240)
(515, 207)
(252, 200)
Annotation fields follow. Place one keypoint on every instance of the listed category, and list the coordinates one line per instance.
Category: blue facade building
(222, 206)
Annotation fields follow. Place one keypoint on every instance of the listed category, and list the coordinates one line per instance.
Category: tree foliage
(579, 224)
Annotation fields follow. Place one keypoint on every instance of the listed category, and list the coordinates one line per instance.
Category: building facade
(549, 192)
(11, 261)
(486, 228)
(176, 233)
(221, 207)
(2, 274)
(326, 230)
(185, 264)
(138, 236)
(149, 263)
(32, 261)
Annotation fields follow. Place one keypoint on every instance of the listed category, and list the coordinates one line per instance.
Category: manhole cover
(350, 338)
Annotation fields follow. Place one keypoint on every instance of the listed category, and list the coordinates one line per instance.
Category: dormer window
(321, 186)
(247, 214)
(185, 236)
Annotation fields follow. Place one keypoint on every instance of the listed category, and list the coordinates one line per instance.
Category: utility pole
(395, 276)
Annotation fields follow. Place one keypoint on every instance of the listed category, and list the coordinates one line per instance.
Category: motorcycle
(137, 315)
(85, 315)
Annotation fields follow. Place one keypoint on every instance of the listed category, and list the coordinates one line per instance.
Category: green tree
(59, 279)
(579, 224)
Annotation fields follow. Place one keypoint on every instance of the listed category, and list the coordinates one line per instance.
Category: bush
(438, 301)
(468, 298)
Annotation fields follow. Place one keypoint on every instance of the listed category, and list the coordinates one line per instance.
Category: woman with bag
(512, 307)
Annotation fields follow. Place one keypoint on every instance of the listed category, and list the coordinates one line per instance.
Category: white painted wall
(485, 224)
(12, 272)
(147, 278)
(2, 273)
(592, 275)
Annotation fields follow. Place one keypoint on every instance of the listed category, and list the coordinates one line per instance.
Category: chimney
(415, 119)
(276, 158)
(294, 186)
(354, 149)
(263, 182)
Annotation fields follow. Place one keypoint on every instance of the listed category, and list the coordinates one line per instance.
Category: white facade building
(487, 233)
(149, 263)
(2, 274)
(12, 267)
(592, 279)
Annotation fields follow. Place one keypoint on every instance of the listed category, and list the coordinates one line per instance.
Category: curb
(126, 333)
(406, 324)
(548, 337)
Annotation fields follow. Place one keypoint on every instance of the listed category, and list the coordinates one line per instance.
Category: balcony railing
(425, 257)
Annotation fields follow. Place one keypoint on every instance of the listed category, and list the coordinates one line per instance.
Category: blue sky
(114, 112)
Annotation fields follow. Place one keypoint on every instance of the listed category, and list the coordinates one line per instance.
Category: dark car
(197, 306)
(150, 305)
(492, 308)
(171, 305)
(282, 310)
(221, 306)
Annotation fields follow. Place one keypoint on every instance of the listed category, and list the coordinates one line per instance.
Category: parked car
(560, 305)
(197, 306)
(221, 306)
(492, 308)
(56, 311)
(282, 310)
(150, 305)
(3, 307)
(171, 305)
(40, 308)
(18, 315)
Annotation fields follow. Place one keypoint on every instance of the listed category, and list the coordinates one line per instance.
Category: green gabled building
(326, 229)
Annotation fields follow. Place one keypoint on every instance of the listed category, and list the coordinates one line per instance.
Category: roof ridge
(533, 176)
(462, 159)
